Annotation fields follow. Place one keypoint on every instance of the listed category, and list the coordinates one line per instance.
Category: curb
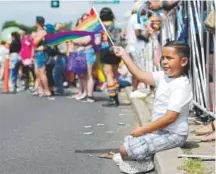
(166, 162)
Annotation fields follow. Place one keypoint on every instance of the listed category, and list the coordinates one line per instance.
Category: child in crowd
(169, 126)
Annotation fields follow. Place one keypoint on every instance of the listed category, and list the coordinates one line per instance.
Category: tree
(68, 25)
(15, 24)
(9, 24)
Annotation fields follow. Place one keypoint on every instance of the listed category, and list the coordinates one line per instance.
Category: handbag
(210, 21)
(76, 62)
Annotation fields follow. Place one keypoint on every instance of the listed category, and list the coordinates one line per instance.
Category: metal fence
(189, 16)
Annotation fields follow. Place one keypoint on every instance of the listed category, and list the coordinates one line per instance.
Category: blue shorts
(90, 56)
(40, 59)
(123, 83)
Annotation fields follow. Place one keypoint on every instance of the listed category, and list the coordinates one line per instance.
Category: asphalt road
(39, 136)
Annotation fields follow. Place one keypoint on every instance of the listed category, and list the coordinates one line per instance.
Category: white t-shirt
(4, 52)
(173, 95)
(133, 43)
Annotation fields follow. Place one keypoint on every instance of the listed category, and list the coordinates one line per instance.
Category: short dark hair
(25, 29)
(40, 20)
(182, 49)
(106, 14)
(16, 36)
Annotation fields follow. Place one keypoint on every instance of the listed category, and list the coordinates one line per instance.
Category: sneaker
(19, 89)
(117, 159)
(65, 84)
(132, 167)
(32, 89)
(137, 94)
(84, 99)
(57, 93)
(87, 99)
(35, 93)
(90, 99)
(110, 103)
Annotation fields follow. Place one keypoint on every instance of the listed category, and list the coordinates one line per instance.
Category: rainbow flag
(57, 38)
(91, 23)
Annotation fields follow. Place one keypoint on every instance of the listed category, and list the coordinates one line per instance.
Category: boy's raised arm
(145, 77)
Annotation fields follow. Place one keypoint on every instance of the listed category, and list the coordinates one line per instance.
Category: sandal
(207, 129)
(47, 94)
(210, 137)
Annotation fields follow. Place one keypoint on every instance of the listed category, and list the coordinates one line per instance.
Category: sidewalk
(167, 162)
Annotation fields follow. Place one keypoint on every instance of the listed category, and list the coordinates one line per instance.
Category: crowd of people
(43, 68)
(123, 65)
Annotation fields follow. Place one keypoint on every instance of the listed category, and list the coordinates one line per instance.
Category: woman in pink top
(27, 54)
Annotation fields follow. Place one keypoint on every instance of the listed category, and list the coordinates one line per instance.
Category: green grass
(193, 166)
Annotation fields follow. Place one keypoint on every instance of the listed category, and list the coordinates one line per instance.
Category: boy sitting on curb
(169, 126)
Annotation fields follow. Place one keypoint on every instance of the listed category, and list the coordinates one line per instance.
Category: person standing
(41, 58)
(26, 55)
(15, 48)
(136, 39)
(109, 60)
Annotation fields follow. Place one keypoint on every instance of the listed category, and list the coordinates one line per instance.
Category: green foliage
(15, 24)
(193, 166)
(9, 24)
(68, 25)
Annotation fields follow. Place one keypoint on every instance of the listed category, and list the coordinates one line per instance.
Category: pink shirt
(27, 46)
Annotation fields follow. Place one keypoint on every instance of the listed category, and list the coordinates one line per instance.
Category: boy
(169, 126)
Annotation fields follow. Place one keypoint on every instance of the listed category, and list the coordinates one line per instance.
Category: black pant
(49, 70)
(26, 70)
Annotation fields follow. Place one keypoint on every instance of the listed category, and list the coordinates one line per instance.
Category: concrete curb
(166, 162)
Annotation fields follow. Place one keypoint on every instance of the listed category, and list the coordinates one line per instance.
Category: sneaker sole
(133, 167)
